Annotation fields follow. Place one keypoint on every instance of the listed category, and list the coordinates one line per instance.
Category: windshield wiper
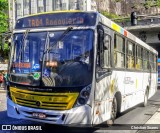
(23, 41)
(59, 39)
(48, 49)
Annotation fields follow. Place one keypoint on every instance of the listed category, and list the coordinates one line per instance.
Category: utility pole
(9, 12)
(60, 4)
(13, 13)
(98, 5)
(78, 4)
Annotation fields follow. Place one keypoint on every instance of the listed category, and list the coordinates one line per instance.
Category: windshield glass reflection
(67, 63)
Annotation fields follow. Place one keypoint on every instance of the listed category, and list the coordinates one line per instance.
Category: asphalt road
(137, 115)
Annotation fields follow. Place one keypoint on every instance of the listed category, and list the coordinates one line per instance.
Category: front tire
(114, 109)
(113, 112)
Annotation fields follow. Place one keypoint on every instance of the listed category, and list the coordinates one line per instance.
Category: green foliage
(3, 16)
(135, 6)
(110, 15)
(148, 4)
(123, 20)
(151, 3)
(158, 3)
(3, 5)
(115, 17)
(118, 0)
(3, 24)
(6, 50)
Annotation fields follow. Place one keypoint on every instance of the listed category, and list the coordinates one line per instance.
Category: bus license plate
(39, 115)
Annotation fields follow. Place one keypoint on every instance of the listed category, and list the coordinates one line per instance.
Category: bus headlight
(84, 95)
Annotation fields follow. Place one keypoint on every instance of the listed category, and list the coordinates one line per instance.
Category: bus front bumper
(74, 117)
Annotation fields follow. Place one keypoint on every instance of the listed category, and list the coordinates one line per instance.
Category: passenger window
(145, 60)
(130, 50)
(155, 63)
(151, 61)
(119, 51)
(107, 41)
(139, 58)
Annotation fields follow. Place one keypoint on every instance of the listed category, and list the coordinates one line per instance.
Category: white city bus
(73, 68)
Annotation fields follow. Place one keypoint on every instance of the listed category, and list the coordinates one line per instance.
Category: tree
(3, 16)
(3, 24)
(158, 3)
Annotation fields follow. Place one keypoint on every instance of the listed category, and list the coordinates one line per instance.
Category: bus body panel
(104, 94)
(102, 104)
(132, 87)
(74, 116)
(153, 88)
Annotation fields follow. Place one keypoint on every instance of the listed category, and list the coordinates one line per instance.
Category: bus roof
(104, 20)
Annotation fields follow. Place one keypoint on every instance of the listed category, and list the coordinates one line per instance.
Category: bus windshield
(68, 62)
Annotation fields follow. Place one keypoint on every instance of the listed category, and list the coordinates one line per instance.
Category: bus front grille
(43, 100)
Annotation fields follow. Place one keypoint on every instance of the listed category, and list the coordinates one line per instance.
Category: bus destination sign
(57, 19)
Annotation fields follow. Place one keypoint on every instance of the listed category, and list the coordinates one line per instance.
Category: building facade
(20, 8)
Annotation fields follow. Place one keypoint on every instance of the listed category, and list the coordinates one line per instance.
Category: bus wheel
(145, 98)
(114, 109)
(113, 112)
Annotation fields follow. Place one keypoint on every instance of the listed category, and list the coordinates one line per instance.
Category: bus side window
(145, 60)
(155, 63)
(119, 51)
(139, 58)
(151, 61)
(130, 55)
(107, 41)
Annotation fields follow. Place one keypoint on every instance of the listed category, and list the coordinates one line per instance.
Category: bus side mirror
(100, 42)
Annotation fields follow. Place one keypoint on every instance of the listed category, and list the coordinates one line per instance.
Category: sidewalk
(152, 125)
(155, 119)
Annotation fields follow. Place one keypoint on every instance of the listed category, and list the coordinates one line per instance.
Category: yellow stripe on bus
(116, 27)
(45, 100)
